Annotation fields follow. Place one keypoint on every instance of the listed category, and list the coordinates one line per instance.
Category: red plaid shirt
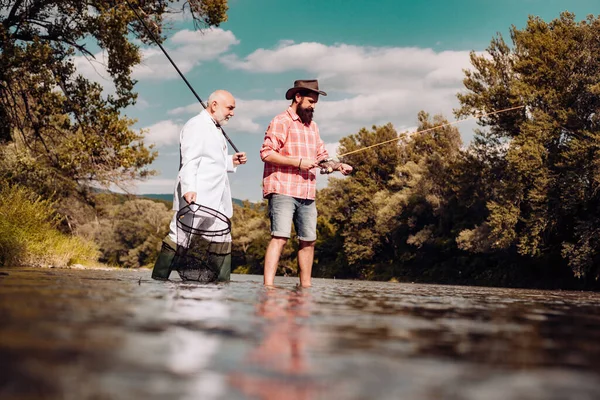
(288, 136)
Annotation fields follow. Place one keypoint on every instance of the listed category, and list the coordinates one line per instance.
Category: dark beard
(305, 114)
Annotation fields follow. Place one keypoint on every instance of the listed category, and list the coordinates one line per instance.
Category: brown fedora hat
(311, 84)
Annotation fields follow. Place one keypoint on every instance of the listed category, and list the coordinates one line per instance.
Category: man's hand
(190, 197)
(306, 164)
(345, 169)
(328, 166)
(239, 158)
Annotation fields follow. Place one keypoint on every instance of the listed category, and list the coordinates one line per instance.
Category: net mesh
(203, 244)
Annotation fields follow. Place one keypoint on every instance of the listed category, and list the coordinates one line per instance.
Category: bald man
(203, 168)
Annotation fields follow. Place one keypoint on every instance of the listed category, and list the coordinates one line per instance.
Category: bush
(28, 234)
(129, 233)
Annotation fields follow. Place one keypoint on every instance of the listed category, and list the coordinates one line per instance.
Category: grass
(28, 234)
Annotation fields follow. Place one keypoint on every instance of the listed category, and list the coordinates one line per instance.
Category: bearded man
(203, 168)
(292, 150)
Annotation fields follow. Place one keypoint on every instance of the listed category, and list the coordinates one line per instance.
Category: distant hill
(164, 196)
(169, 197)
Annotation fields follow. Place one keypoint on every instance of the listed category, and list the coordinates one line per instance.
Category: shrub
(28, 234)
(129, 233)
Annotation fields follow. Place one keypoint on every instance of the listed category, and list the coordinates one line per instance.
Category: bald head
(220, 106)
(219, 95)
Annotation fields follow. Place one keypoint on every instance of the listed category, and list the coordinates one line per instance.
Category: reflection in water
(118, 335)
(278, 368)
(191, 348)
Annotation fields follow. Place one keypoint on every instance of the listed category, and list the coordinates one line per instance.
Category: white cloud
(177, 12)
(247, 112)
(369, 85)
(400, 107)
(360, 70)
(142, 104)
(188, 49)
(191, 109)
(163, 133)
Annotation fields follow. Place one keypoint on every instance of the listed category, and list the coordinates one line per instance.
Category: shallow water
(93, 334)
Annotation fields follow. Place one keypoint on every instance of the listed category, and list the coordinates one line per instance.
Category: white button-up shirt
(204, 164)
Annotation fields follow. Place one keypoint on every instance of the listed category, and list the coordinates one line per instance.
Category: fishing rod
(329, 165)
(176, 68)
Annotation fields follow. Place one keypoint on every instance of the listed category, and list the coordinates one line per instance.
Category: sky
(379, 62)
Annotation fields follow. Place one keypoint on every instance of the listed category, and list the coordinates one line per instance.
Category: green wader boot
(225, 269)
(219, 260)
(162, 267)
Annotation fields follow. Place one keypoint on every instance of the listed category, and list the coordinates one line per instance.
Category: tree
(60, 133)
(394, 208)
(547, 201)
(348, 243)
(250, 235)
(128, 233)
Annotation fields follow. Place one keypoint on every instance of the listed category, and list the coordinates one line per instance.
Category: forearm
(278, 159)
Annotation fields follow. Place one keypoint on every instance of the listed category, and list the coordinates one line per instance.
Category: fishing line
(176, 68)
(431, 129)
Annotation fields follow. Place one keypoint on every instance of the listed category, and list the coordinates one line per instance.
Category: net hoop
(194, 209)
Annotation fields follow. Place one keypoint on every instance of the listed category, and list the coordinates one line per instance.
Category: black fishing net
(203, 244)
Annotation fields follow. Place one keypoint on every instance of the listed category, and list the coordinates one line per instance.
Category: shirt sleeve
(192, 147)
(275, 138)
(230, 167)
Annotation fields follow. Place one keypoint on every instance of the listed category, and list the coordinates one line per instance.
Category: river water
(117, 334)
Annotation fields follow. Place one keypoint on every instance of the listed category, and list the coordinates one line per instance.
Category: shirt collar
(293, 114)
(214, 121)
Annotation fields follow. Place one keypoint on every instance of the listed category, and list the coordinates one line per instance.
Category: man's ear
(212, 106)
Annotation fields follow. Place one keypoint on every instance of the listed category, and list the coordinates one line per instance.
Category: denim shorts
(283, 210)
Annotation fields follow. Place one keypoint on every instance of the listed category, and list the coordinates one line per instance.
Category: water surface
(117, 334)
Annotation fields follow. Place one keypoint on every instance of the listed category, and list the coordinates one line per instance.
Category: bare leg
(306, 254)
(272, 258)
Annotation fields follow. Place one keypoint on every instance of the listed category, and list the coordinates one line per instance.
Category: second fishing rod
(176, 68)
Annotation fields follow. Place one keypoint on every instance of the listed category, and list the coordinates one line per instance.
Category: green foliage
(348, 205)
(250, 235)
(386, 213)
(211, 12)
(60, 133)
(129, 233)
(28, 234)
(545, 196)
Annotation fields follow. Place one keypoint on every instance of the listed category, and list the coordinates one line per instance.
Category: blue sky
(379, 62)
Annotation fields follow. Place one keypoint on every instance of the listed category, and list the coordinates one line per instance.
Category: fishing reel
(328, 166)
